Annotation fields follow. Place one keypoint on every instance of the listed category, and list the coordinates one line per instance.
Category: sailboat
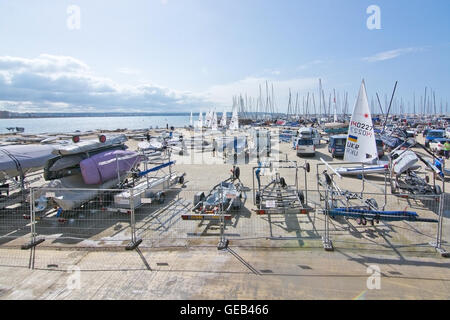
(361, 144)
(234, 123)
(223, 121)
(214, 121)
(200, 121)
(208, 119)
(191, 121)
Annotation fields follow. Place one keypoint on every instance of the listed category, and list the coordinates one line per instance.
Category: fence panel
(66, 218)
(15, 226)
(113, 219)
(383, 235)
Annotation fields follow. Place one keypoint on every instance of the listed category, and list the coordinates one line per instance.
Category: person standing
(214, 147)
(447, 149)
(258, 174)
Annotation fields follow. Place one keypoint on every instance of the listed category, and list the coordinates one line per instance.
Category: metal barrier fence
(59, 219)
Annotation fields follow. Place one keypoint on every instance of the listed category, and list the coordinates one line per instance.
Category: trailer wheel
(161, 198)
(301, 196)
(237, 172)
(372, 203)
(394, 187)
(181, 180)
(437, 189)
(363, 221)
(327, 178)
(257, 198)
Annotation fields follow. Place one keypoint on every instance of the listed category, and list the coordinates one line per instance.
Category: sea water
(56, 125)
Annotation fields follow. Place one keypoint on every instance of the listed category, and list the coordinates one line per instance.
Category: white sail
(200, 120)
(190, 120)
(361, 145)
(208, 119)
(234, 123)
(223, 121)
(214, 121)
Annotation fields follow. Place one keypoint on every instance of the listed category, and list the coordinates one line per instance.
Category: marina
(156, 189)
(211, 157)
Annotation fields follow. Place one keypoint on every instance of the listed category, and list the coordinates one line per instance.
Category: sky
(191, 55)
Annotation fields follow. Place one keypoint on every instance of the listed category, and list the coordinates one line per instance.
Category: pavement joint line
(245, 263)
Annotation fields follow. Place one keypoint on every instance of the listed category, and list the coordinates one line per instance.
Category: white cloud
(391, 54)
(59, 83)
(128, 71)
(65, 84)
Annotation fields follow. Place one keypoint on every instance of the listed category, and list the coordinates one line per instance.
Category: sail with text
(361, 144)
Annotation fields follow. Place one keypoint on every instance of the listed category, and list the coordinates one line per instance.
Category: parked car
(437, 146)
(434, 135)
(336, 146)
(380, 147)
(305, 147)
(309, 133)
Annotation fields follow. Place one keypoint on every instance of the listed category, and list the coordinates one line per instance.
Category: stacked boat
(78, 171)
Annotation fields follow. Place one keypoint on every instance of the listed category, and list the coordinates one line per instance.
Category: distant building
(4, 114)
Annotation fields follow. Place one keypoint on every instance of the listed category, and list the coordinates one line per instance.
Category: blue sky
(183, 55)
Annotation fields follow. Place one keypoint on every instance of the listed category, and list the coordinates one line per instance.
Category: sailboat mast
(320, 96)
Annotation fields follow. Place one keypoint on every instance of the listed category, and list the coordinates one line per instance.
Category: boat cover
(405, 160)
(106, 165)
(25, 158)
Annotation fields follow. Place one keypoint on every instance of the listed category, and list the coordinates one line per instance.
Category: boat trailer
(221, 200)
(277, 197)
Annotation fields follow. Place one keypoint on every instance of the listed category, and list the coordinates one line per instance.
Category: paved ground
(206, 273)
(255, 267)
